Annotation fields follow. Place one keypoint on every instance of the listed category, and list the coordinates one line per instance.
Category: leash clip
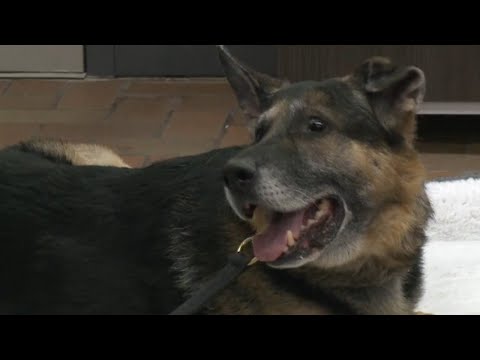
(242, 245)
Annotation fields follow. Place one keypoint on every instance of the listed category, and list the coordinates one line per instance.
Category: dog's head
(329, 160)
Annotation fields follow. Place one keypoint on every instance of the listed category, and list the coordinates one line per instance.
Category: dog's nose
(239, 174)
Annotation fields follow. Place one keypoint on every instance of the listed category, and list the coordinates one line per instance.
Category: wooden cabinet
(452, 71)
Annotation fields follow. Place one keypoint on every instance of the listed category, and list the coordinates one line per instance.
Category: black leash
(237, 263)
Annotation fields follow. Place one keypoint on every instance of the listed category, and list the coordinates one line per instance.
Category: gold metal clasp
(242, 245)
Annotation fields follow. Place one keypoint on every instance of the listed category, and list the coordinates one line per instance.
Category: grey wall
(41, 58)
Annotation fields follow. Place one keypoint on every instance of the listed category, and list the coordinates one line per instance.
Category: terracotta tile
(140, 117)
(102, 134)
(129, 146)
(31, 94)
(53, 116)
(124, 133)
(238, 117)
(84, 94)
(11, 133)
(172, 149)
(236, 135)
(35, 87)
(207, 103)
(199, 80)
(179, 88)
(77, 133)
(195, 126)
(3, 85)
(142, 108)
(27, 102)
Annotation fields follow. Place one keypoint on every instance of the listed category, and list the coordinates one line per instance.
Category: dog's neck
(385, 297)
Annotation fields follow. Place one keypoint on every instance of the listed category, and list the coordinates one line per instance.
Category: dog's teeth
(285, 249)
(290, 238)
(303, 227)
(310, 222)
(318, 214)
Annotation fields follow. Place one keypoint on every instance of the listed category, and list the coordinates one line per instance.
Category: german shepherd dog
(331, 189)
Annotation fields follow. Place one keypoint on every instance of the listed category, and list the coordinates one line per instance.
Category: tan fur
(409, 128)
(315, 98)
(80, 154)
(88, 154)
(276, 110)
(396, 181)
(395, 186)
(261, 298)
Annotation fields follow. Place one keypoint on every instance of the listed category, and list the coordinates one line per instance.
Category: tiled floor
(150, 119)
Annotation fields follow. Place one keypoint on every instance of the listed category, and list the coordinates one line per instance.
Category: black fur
(95, 239)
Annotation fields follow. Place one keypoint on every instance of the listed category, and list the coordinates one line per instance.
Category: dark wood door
(173, 60)
(452, 71)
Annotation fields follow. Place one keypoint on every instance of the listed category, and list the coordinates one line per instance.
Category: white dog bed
(452, 254)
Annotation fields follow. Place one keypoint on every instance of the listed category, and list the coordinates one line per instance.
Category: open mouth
(284, 239)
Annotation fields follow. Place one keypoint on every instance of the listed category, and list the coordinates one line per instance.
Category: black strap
(237, 263)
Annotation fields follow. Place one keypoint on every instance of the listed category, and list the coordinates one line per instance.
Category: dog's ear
(252, 89)
(395, 93)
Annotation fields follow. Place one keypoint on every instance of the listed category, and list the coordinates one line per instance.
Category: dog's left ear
(252, 89)
(395, 93)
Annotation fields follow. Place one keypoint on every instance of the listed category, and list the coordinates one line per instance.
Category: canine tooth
(285, 249)
(303, 227)
(290, 238)
(260, 219)
(318, 214)
(310, 222)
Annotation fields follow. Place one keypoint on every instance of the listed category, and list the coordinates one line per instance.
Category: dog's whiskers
(306, 199)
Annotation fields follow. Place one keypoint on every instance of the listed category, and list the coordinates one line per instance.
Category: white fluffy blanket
(452, 254)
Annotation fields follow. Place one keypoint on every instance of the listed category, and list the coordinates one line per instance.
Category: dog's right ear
(395, 93)
(252, 89)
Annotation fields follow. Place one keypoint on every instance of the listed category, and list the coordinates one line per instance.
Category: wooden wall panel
(452, 71)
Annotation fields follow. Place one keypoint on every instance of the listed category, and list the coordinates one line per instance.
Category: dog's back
(95, 239)
(80, 154)
(55, 218)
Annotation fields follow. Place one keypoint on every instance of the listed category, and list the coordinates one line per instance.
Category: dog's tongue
(269, 245)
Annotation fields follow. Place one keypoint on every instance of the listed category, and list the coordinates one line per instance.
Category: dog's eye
(316, 124)
(260, 132)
